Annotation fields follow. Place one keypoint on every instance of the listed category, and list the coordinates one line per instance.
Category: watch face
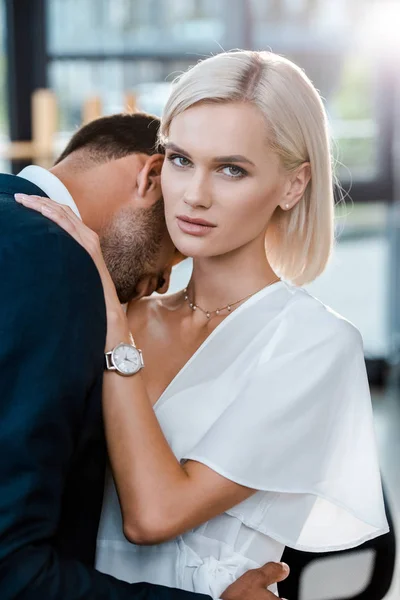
(127, 359)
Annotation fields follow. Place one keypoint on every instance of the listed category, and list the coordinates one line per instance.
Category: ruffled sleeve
(300, 430)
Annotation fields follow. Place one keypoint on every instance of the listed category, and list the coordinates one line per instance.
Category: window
(106, 47)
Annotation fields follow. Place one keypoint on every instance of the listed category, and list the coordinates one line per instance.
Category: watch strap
(108, 364)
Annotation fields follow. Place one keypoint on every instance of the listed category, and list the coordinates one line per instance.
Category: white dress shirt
(51, 185)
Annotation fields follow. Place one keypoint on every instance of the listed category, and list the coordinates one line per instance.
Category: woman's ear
(297, 183)
(149, 179)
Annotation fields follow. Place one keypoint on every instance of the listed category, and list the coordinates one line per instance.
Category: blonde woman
(250, 427)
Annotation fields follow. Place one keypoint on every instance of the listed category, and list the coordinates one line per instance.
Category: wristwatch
(125, 359)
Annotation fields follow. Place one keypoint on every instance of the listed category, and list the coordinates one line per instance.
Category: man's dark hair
(116, 136)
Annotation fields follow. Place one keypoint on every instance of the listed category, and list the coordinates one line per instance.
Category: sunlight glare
(381, 27)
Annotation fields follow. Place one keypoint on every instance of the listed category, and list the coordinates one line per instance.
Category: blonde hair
(298, 241)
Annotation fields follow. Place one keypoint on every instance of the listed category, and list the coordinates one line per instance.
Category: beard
(131, 247)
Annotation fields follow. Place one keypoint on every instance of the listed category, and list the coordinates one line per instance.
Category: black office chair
(380, 578)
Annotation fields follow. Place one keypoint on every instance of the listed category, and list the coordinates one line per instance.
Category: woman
(250, 427)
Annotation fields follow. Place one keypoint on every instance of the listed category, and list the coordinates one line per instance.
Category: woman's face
(221, 183)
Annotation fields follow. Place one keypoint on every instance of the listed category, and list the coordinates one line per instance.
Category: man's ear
(149, 179)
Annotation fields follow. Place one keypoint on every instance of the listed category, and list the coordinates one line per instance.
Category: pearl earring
(287, 206)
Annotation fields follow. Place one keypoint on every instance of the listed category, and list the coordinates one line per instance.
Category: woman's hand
(117, 330)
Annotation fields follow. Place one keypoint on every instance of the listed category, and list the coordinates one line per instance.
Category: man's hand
(253, 584)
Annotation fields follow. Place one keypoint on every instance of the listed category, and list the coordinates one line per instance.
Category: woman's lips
(191, 228)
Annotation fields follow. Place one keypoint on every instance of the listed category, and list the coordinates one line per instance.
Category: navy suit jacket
(52, 447)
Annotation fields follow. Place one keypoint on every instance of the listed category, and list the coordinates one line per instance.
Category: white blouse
(275, 399)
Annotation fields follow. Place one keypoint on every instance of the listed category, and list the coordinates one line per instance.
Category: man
(52, 337)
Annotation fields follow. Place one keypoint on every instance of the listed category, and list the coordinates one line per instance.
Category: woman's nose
(197, 195)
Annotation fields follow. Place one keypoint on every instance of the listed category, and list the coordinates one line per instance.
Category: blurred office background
(108, 49)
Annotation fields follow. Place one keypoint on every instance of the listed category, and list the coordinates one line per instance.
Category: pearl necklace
(228, 307)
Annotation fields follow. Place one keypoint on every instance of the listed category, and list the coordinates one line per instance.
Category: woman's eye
(179, 161)
(233, 171)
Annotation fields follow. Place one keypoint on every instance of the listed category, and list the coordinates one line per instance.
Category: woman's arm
(160, 498)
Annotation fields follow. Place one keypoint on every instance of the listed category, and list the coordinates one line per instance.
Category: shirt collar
(51, 185)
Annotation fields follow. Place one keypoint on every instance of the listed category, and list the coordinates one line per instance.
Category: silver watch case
(114, 362)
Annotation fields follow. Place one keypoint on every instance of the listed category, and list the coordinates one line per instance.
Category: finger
(51, 210)
(55, 211)
(67, 213)
(29, 197)
(39, 204)
(86, 236)
(61, 220)
(71, 215)
(274, 572)
(39, 201)
(33, 200)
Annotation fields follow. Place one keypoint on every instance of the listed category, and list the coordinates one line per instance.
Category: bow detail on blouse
(211, 575)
